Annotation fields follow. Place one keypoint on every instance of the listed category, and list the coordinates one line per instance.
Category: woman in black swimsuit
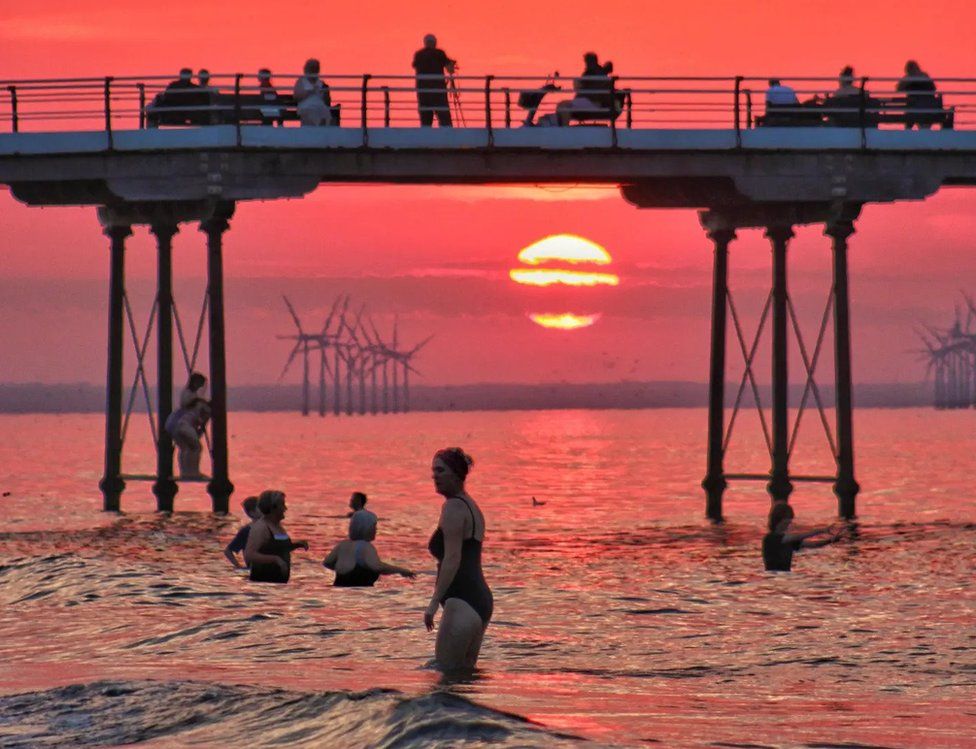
(460, 586)
(269, 547)
(356, 562)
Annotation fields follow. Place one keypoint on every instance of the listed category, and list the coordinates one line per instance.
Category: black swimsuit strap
(474, 520)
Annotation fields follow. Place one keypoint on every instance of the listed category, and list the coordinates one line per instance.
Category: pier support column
(846, 488)
(714, 482)
(112, 484)
(780, 487)
(165, 487)
(220, 488)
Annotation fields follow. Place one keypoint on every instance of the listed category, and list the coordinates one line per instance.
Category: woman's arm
(371, 558)
(452, 526)
(231, 557)
(332, 558)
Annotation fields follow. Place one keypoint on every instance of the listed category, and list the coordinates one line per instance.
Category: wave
(181, 713)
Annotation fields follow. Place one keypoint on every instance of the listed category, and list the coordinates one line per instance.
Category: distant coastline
(87, 398)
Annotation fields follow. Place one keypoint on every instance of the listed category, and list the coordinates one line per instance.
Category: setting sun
(555, 259)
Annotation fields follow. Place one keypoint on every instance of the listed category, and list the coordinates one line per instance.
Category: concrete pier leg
(846, 488)
(714, 482)
(112, 484)
(780, 487)
(220, 488)
(165, 487)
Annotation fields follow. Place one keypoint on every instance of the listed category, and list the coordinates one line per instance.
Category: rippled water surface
(621, 616)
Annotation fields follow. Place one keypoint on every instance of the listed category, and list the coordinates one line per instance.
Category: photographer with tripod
(431, 64)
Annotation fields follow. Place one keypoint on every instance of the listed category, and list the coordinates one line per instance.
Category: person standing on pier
(431, 64)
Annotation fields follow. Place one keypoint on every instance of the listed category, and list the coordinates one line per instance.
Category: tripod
(455, 96)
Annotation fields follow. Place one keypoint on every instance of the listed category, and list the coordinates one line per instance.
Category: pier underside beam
(112, 484)
(721, 233)
(164, 487)
(846, 487)
(220, 488)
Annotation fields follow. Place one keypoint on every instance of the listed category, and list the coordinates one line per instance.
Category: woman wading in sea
(460, 586)
(269, 547)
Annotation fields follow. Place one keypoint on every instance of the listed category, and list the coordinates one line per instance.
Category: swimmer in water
(356, 561)
(779, 544)
(460, 586)
(239, 542)
(269, 547)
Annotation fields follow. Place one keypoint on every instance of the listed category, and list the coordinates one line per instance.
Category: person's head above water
(357, 501)
(250, 507)
(430, 41)
(780, 516)
(196, 381)
(362, 526)
(450, 468)
(271, 503)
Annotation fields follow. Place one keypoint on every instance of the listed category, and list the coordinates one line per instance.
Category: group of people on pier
(460, 586)
(188, 102)
(918, 104)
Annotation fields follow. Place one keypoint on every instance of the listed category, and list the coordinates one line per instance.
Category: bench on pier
(210, 107)
(850, 111)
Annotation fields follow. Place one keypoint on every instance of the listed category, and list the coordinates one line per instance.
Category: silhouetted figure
(270, 100)
(180, 103)
(593, 92)
(186, 424)
(239, 542)
(460, 586)
(269, 547)
(357, 502)
(536, 502)
(355, 561)
(312, 96)
(779, 544)
(922, 106)
(430, 64)
(843, 106)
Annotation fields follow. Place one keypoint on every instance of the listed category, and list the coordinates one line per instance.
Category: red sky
(439, 256)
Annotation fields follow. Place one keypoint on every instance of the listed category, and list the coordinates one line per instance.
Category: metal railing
(488, 102)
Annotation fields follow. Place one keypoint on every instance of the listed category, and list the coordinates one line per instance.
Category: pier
(683, 143)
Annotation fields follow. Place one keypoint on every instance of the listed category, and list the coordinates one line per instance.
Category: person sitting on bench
(312, 96)
(923, 107)
(271, 102)
(594, 93)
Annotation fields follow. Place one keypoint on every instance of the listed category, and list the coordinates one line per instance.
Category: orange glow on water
(564, 321)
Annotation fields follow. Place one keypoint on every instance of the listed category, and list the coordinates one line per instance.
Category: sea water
(621, 615)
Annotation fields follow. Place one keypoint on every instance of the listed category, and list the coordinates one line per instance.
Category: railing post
(142, 105)
(366, 78)
(14, 122)
(386, 106)
(748, 109)
(629, 104)
(108, 111)
(861, 112)
(508, 107)
(738, 119)
(491, 132)
(613, 108)
(237, 107)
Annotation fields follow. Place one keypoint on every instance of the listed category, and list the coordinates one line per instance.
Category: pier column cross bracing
(164, 487)
(846, 487)
(780, 487)
(220, 488)
(112, 484)
(714, 482)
